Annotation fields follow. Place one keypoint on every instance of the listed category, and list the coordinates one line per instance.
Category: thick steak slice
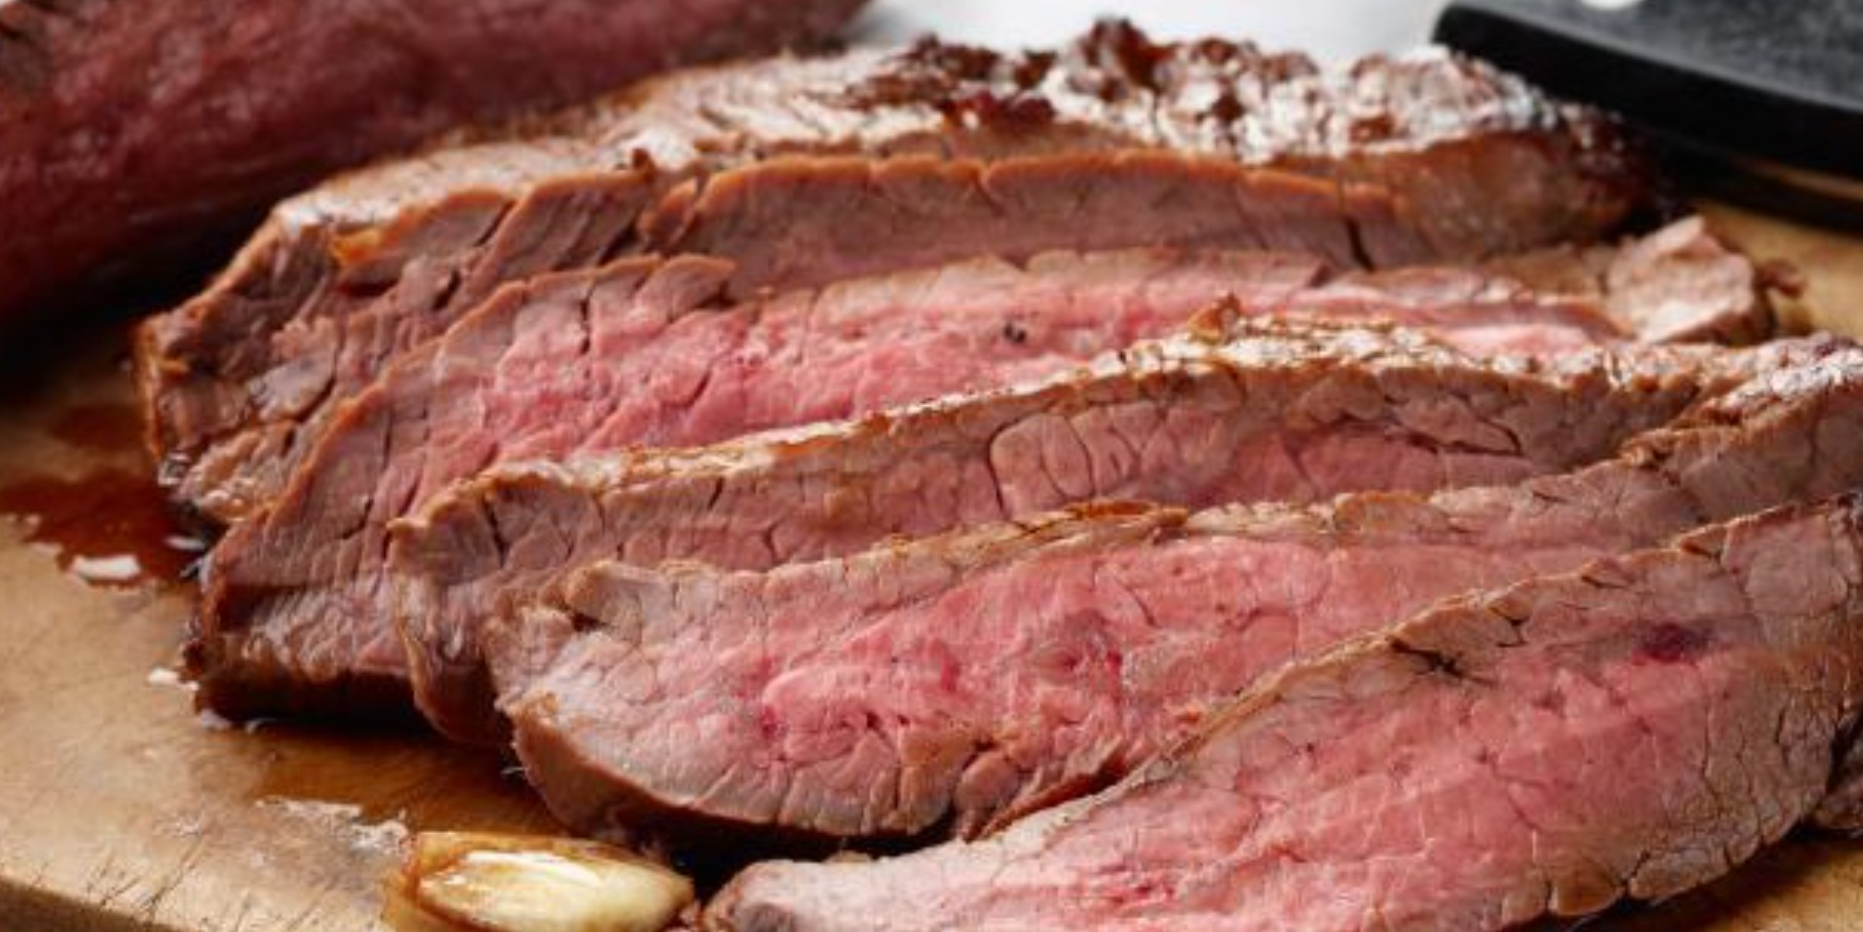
(1678, 284)
(649, 352)
(962, 680)
(644, 352)
(1280, 412)
(1479, 313)
(1627, 731)
(1679, 281)
(133, 132)
(1113, 142)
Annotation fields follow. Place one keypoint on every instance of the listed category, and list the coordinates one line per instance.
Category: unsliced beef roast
(1628, 731)
(133, 132)
(1279, 411)
(805, 171)
(964, 679)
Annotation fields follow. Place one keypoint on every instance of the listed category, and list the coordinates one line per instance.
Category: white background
(1329, 29)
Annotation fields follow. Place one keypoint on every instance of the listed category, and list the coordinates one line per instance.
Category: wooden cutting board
(120, 808)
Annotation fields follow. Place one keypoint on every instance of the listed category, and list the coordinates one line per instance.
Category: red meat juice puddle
(109, 527)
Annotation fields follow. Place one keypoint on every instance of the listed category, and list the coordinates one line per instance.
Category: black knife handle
(1780, 80)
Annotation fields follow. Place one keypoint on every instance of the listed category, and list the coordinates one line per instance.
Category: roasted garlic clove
(504, 883)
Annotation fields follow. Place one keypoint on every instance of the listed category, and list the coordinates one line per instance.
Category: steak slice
(1113, 142)
(139, 131)
(963, 680)
(645, 352)
(1281, 412)
(1628, 731)
(1718, 290)
(1678, 284)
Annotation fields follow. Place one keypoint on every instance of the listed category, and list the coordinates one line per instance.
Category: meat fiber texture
(555, 366)
(1261, 411)
(1628, 731)
(135, 132)
(1480, 313)
(881, 342)
(650, 352)
(805, 171)
(297, 604)
(966, 679)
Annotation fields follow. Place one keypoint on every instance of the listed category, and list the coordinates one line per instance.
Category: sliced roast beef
(964, 679)
(1281, 412)
(1627, 731)
(1113, 142)
(646, 352)
(1679, 284)
(1729, 304)
(137, 129)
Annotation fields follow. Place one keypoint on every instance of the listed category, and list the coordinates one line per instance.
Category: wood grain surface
(119, 807)
(122, 809)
